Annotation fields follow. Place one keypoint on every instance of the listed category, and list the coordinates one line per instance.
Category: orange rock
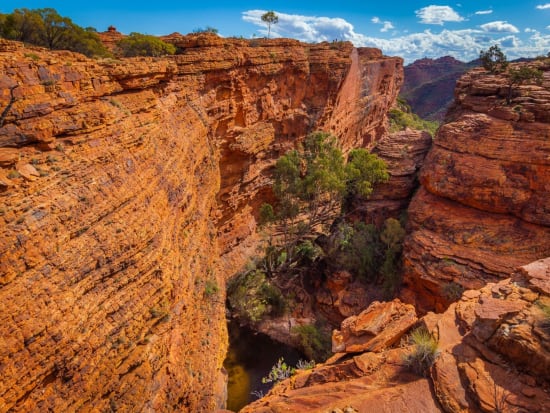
(8, 157)
(474, 370)
(483, 207)
(378, 327)
(109, 260)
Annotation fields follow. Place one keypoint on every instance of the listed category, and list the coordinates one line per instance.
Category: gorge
(130, 193)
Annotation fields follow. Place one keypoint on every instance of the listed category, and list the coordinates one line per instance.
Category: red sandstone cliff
(483, 208)
(123, 181)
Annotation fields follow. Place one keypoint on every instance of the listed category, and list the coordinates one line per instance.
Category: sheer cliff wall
(483, 206)
(122, 184)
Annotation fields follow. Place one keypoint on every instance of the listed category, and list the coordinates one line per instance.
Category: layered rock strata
(493, 354)
(122, 183)
(404, 154)
(483, 206)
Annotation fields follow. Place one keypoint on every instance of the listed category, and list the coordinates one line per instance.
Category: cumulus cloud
(463, 44)
(499, 27)
(305, 28)
(438, 15)
(484, 12)
(529, 30)
(386, 25)
(543, 6)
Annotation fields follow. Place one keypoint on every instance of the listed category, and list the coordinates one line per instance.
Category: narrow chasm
(250, 358)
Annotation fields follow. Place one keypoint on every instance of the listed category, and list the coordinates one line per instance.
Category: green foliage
(358, 249)
(137, 44)
(424, 351)
(279, 372)
(311, 184)
(493, 60)
(267, 214)
(251, 296)
(207, 29)
(363, 170)
(211, 288)
(46, 28)
(270, 18)
(305, 365)
(402, 117)
(524, 74)
(314, 341)
(392, 236)
(368, 252)
(452, 291)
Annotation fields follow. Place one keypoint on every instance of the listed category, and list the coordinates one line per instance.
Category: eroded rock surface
(122, 183)
(483, 207)
(493, 355)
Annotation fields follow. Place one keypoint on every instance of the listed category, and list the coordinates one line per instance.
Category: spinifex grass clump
(424, 351)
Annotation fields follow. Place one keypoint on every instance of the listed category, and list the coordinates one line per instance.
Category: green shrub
(46, 28)
(424, 351)
(493, 60)
(315, 342)
(137, 44)
(452, 291)
(13, 174)
(401, 118)
(211, 288)
(251, 297)
(279, 372)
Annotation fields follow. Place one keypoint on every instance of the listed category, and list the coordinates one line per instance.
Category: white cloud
(386, 25)
(484, 12)
(438, 15)
(529, 30)
(511, 42)
(499, 27)
(464, 44)
(305, 28)
(543, 6)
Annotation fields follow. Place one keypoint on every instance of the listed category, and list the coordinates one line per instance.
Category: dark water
(250, 357)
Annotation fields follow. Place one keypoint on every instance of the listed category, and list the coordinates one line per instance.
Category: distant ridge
(429, 85)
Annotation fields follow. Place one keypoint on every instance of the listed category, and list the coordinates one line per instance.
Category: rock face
(430, 83)
(483, 207)
(379, 326)
(404, 154)
(123, 182)
(493, 354)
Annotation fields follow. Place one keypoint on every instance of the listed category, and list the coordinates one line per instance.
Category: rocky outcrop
(404, 154)
(493, 354)
(123, 181)
(483, 207)
(379, 326)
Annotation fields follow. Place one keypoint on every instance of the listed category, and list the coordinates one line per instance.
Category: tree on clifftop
(46, 28)
(517, 77)
(270, 18)
(493, 60)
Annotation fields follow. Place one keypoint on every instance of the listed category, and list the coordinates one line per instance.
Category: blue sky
(409, 28)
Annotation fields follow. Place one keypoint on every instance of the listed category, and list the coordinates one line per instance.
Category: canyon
(129, 195)
(129, 189)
